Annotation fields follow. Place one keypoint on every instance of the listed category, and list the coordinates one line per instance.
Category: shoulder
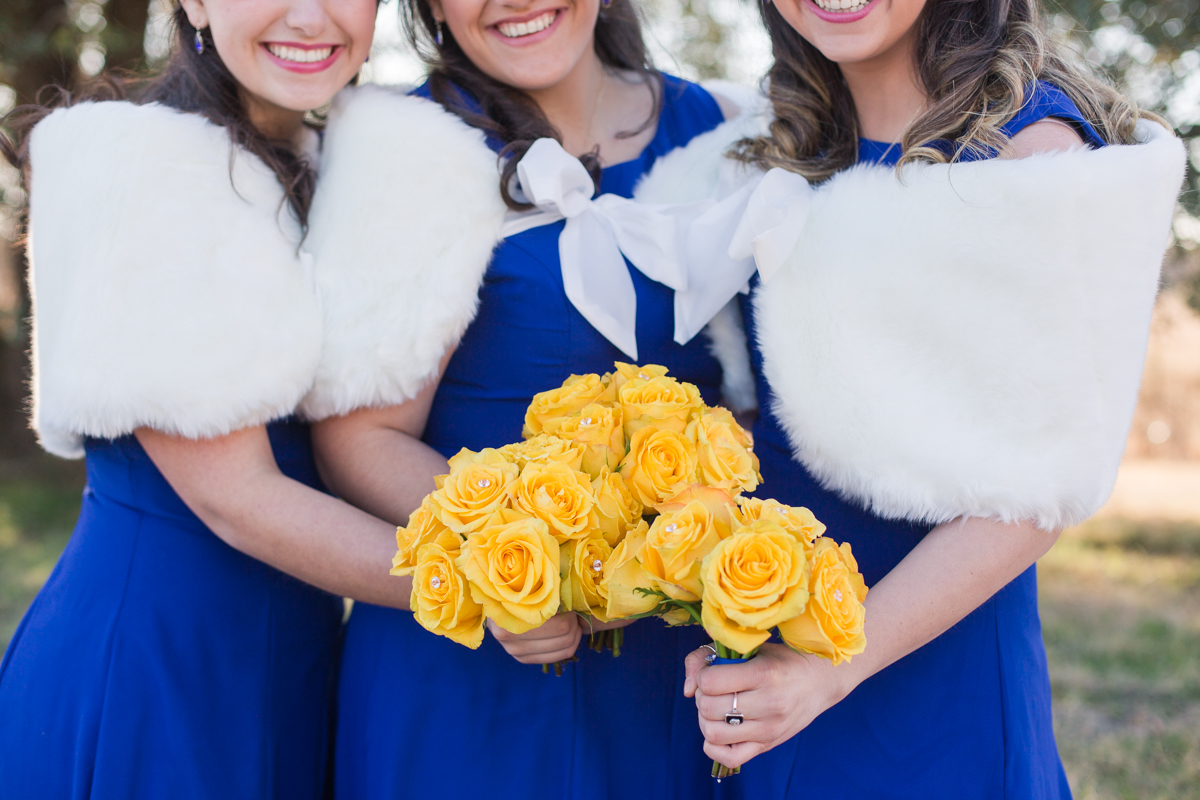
(1032, 128)
(403, 222)
(1045, 136)
(695, 171)
(166, 283)
(688, 108)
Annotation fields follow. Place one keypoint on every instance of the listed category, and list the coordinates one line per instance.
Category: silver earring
(438, 37)
(199, 43)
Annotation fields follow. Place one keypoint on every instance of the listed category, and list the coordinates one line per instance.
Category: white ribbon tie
(755, 227)
(598, 236)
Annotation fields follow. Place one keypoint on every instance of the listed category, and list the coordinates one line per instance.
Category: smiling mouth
(842, 6)
(298, 55)
(515, 30)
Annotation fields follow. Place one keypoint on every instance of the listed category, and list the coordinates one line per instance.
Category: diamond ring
(733, 716)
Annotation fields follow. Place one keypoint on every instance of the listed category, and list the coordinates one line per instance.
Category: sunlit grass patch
(1120, 606)
(35, 522)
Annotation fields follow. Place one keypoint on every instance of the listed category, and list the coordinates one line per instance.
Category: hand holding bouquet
(625, 501)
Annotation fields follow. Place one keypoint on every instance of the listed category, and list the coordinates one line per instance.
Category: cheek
(356, 18)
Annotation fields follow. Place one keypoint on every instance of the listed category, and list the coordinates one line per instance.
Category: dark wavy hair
(197, 83)
(975, 59)
(508, 114)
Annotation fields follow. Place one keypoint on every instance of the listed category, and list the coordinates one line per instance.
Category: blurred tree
(44, 42)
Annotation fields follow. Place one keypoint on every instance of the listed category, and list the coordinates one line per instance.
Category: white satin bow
(599, 235)
(756, 227)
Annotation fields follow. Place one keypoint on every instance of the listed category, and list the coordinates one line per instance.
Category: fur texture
(166, 287)
(699, 172)
(403, 224)
(968, 340)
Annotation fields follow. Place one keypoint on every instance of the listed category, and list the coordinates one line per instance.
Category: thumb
(695, 661)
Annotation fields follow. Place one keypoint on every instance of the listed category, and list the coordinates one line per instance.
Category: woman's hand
(593, 625)
(555, 640)
(779, 693)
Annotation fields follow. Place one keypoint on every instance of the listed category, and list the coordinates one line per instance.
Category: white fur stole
(968, 340)
(692, 175)
(403, 224)
(167, 289)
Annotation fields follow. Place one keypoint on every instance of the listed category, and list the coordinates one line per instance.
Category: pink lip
(304, 69)
(533, 38)
(838, 16)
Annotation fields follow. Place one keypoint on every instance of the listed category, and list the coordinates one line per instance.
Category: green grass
(1120, 610)
(37, 512)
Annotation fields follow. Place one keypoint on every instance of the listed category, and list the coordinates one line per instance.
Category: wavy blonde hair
(975, 59)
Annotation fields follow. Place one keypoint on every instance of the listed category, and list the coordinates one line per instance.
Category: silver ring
(733, 716)
(711, 657)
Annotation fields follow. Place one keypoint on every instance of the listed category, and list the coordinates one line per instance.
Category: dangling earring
(199, 43)
(438, 37)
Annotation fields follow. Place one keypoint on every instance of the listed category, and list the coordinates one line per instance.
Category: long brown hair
(505, 113)
(975, 59)
(197, 83)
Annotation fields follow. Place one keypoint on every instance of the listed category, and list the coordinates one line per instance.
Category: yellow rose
(663, 402)
(754, 580)
(796, 520)
(556, 494)
(659, 465)
(616, 508)
(423, 528)
(598, 428)
(833, 623)
(675, 545)
(718, 502)
(723, 452)
(440, 599)
(543, 449)
(549, 409)
(582, 576)
(623, 372)
(624, 574)
(476, 488)
(512, 564)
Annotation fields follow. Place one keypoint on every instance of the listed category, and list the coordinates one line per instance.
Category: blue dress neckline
(1042, 101)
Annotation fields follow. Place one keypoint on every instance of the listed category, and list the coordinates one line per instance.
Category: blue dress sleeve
(1047, 101)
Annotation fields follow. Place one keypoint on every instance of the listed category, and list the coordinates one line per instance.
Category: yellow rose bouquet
(625, 500)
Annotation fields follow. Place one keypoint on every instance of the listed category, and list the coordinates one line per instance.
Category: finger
(561, 625)
(752, 704)
(722, 733)
(518, 646)
(734, 755)
(730, 678)
(695, 661)
(547, 658)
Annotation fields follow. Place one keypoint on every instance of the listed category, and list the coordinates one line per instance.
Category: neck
(570, 104)
(887, 93)
(275, 122)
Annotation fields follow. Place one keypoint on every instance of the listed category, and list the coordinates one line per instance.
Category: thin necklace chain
(595, 108)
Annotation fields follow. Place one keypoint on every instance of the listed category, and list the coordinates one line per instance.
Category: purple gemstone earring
(199, 43)
(438, 37)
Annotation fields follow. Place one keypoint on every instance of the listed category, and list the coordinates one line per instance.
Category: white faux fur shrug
(964, 340)
(171, 289)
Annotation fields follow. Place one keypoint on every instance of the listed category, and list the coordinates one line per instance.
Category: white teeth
(842, 5)
(298, 55)
(512, 30)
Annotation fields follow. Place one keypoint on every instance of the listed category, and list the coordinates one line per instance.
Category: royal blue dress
(966, 716)
(421, 716)
(159, 662)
